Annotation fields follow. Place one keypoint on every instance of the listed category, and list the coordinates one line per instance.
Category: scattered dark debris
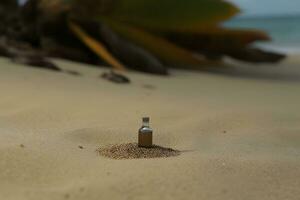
(115, 77)
(35, 61)
(80, 147)
(148, 86)
(67, 196)
(22, 145)
(224, 131)
(23, 53)
(133, 151)
(72, 72)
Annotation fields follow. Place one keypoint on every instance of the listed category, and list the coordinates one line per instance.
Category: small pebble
(115, 77)
(72, 72)
(148, 86)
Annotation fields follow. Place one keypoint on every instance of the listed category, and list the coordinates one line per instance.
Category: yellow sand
(239, 132)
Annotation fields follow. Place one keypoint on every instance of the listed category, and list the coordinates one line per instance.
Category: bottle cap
(146, 119)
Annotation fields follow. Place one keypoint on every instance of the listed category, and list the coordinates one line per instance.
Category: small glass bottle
(145, 134)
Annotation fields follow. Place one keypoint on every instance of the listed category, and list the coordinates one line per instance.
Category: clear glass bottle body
(145, 137)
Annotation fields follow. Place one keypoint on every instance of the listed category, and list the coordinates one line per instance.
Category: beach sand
(238, 131)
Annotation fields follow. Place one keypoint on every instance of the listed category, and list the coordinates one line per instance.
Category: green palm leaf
(158, 15)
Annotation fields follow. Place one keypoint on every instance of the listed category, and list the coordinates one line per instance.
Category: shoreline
(286, 49)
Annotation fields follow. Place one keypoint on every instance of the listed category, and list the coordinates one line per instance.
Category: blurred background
(280, 18)
(129, 34)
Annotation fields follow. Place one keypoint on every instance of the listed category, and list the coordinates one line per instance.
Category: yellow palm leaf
(97, 47)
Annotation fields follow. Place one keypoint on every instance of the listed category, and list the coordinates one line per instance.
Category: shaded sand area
(238, 133)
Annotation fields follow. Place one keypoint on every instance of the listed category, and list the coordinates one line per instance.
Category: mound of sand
(132, 151)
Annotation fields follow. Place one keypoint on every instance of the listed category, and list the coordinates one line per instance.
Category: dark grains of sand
(149, 87)
(132, 151)
(72, 72)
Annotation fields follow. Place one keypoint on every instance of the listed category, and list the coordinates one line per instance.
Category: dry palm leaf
(96, 46)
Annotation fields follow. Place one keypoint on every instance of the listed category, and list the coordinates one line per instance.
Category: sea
(284, 30)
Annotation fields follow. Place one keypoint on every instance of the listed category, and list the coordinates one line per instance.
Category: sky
(22, 1)
(268, 7)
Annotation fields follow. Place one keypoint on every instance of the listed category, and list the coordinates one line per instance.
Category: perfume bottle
(145, 134)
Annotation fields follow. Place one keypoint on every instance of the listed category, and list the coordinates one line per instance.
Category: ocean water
(285, 31)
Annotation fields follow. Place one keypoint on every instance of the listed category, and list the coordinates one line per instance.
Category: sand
(133, 151)
(238, 131)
